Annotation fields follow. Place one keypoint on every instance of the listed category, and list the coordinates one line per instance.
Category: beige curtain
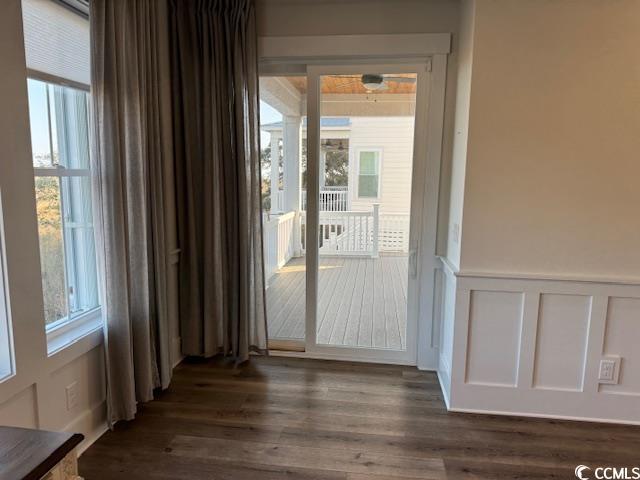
(215, 94)
(131, 141)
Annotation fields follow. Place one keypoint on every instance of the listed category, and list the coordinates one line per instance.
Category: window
(6, 356)
(60, 146)
(369, 173)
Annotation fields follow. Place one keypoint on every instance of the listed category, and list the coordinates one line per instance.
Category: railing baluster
(366, 231)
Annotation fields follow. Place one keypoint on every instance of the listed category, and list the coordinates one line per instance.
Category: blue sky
(268, 114)
(38, 117)
(40, 129)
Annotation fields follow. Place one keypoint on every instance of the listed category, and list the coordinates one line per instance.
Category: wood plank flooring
(361, 301)
(284, 418)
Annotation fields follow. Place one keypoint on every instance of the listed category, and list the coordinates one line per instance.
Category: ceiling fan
(375, 81)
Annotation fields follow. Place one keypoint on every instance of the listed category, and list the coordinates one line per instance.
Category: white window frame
(5, 310)
(360, 150)
(67, 330)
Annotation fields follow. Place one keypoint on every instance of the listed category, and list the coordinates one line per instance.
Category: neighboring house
(379, 161)
(369, 214)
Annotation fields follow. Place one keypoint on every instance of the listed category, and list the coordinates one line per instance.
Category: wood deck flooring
(298, 419)
(361, 301)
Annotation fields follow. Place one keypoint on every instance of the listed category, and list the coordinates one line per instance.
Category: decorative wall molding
(531, 346)
(576, 278)
(309, 47)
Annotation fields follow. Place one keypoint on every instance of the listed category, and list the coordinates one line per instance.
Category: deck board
(366, 313)
(390, 308)
(361, 301)
(346, 297)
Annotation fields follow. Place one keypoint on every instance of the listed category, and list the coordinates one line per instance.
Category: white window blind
(56, 40)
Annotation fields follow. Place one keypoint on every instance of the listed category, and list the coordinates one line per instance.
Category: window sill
(61, 336)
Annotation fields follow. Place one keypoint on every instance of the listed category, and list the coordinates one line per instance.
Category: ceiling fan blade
(400, 79)
(344, 76)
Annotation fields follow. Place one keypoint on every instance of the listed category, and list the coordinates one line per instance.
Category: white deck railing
(279, 242)
(351, 233)
(394, 232)
(347, 233)
(332, 199)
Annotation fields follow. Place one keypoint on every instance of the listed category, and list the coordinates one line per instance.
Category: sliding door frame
(295, 56)
(407, 356)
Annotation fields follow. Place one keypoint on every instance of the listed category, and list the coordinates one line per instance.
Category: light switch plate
(609, 370)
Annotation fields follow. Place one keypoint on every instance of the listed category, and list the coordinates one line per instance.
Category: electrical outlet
(609, 370)
(72, 395)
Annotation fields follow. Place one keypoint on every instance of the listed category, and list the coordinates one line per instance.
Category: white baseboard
(544, 415)
(92, 423)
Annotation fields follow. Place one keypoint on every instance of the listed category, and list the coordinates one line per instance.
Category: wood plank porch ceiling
(352, 84)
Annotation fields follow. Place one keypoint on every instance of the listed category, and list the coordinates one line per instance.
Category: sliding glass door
(283, 127)
(363, 213)
(343, 209)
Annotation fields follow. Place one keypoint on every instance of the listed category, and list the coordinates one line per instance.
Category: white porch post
(291, 164)
(275, 172)
(376, 231)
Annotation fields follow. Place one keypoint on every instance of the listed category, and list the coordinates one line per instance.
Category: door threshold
(339, 358)
(286, 345)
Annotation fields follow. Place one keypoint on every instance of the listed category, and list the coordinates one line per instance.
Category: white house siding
(394, 137)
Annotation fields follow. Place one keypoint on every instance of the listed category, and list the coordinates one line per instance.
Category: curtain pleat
(216, 127)
(130, 99)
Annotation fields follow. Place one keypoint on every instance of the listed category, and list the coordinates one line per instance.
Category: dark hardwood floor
(283, 418)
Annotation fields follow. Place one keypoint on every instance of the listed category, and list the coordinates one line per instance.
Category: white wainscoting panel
(623, 324)
(533, 346)
(447, 309)
(495, 323)
(20, 410)
(561, 342)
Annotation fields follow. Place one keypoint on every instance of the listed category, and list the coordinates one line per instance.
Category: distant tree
(51, 248)
(336, 167)
(265, 167)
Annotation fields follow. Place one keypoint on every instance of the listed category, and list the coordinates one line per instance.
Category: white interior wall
(35, 396)
(460, 132)
(548, 280)
(552, 162)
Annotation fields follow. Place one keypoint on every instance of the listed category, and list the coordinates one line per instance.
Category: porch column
(275, 172)
(291, 148)
(291, 165)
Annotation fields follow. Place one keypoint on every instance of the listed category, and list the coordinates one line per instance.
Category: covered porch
(362, 302)
(363, 226)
